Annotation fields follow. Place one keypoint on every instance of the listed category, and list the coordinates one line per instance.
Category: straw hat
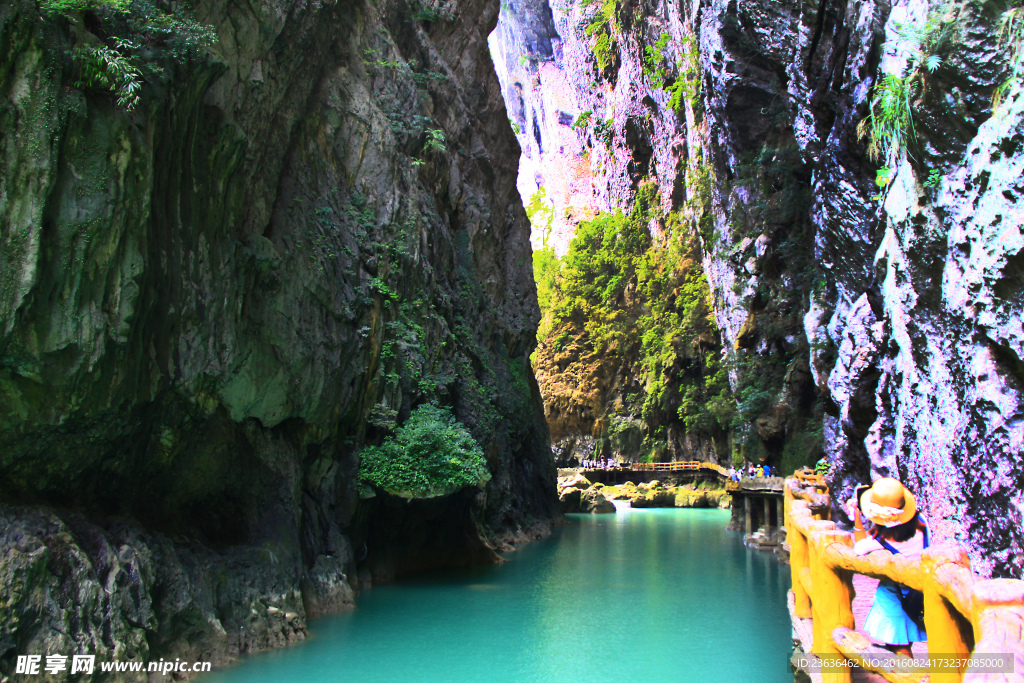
(888, 503)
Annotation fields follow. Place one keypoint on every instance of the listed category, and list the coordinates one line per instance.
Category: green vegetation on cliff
(431, 454)
(620, 295)
(122, 45)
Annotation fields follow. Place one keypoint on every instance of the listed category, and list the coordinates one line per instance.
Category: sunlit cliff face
(868, 304)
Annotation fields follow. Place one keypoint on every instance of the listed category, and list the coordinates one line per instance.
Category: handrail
(962, 611)
(675, 466)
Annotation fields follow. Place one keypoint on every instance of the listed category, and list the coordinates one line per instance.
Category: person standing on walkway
(896, 616)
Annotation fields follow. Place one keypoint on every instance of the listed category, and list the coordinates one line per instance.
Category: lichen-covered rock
(688, 498)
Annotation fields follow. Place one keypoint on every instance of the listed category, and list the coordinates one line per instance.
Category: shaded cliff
(865, 280)
(211, 302)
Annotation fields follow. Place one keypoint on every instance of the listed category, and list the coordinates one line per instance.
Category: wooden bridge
(963, 613)
(676, 466)
(757, 502)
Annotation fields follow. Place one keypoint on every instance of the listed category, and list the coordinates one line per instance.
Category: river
(654, 595)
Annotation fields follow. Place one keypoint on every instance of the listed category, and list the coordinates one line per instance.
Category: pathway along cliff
(269, 333)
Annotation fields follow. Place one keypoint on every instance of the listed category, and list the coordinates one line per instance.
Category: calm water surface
(653, 595)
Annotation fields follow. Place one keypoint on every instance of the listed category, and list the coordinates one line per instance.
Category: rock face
(210, 304)
(879, 326)
(544, 106)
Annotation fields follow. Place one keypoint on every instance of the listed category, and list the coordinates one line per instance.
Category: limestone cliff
(210, 303)
(870, 302)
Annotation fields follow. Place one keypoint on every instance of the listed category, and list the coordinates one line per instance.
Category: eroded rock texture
(208, 305)
(888, 328)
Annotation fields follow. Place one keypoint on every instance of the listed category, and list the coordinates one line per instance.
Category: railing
(678, 466)
(962, 611)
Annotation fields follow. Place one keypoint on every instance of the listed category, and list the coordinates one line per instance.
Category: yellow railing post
(831, 603)
(798, 561)
(998, 618)
(943, 624)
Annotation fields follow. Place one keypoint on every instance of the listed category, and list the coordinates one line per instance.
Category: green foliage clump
(655, 56)
(625, 294)
(431, 454)
(137, 34)
(687, 85)
(604, 131)
(435, 140)
(423, 10)
(582, 121)
(891, 120)
(546, 264)
(379, 287)
(69, 9)
(889, 127)
(602, 260)
(1011, 39)
(111, 69)
(602, 30)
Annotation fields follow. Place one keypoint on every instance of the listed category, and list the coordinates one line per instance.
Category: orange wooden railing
(961, 609)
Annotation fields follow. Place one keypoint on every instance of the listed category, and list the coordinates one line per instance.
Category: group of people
(600, 464)
(753, 471)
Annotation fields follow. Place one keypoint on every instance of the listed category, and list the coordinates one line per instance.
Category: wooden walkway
(675, 466)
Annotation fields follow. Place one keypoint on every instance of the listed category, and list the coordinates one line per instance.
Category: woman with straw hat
(895, 618)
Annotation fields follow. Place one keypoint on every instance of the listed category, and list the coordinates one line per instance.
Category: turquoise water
(653, 595)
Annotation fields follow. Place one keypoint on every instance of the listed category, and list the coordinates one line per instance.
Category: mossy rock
(661, 498)
(593, 501)
(570, 500)
(688, 498)
(577, 481)
(617, 492)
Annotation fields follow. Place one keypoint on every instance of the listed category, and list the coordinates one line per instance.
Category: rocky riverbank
(577, 494)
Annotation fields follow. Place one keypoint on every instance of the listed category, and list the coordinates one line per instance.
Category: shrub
(112, 70)
(1011, 39)
(432, 454)
(655, 56)
(136, 35)
(601, 30)
(687, 85)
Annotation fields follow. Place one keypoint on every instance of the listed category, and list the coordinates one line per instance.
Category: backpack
(911, 600)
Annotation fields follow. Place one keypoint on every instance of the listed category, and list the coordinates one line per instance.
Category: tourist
(896, 617)
(822, 467)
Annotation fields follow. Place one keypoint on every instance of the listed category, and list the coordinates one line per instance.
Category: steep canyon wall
(877, 323)
(210, 303)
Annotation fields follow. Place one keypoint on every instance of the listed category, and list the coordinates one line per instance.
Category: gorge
(249, 250)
